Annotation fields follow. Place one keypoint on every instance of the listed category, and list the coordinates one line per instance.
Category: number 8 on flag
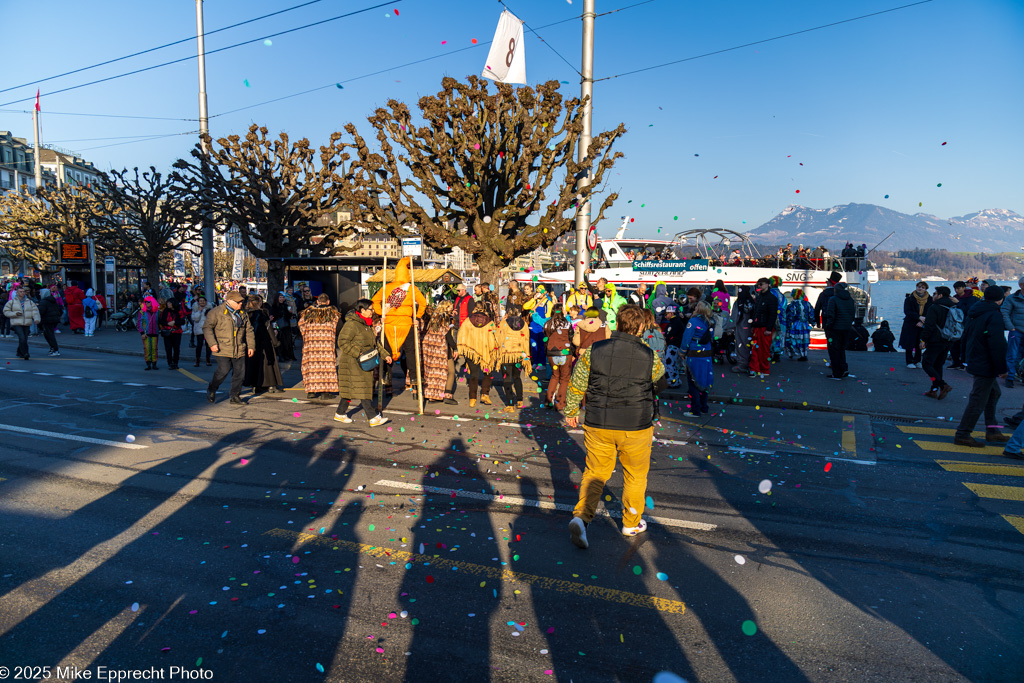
(506, 62)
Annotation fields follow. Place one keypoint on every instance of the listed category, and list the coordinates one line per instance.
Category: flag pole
(38, 161)
(416, 336)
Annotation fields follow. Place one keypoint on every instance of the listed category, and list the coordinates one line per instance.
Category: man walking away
(838, 324)
(231, 339)
(986, 360)
(1013, 320)
(619, 377)
(49, 315)
(943, 327)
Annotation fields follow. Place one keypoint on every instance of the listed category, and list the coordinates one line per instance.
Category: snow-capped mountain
(990, 230)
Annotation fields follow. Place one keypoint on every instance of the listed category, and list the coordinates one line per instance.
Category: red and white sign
(592, 238)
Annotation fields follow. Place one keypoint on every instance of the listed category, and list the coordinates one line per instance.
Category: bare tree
(493, 173)
(271, 190)
(34, 226)
(140, 224)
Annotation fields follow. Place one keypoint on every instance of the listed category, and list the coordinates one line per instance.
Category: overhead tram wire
(147, 139)
(105, 116)
(398, 66)
(541, 39)
(209, 52)
(760, 42)
(161, 47)
(304, 92)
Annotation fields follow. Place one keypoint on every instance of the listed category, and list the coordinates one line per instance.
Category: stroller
(124, 319)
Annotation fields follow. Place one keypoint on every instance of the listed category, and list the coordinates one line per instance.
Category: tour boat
(697, 258)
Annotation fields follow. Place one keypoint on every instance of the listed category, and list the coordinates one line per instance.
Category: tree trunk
(153, 275)
(490, 270)
(275, 278)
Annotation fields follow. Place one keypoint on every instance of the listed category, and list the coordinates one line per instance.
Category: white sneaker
(634, 530)
(911, 366)
(338, 417)
(377, 421)
(578, 533)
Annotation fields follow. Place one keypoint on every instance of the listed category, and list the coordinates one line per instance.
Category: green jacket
(231, 334)
(355, 339)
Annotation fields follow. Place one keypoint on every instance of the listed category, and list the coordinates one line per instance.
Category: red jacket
(464, 306)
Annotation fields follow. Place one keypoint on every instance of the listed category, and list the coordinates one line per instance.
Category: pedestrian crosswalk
(999, 477)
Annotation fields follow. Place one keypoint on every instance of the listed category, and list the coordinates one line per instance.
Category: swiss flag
(37, 100)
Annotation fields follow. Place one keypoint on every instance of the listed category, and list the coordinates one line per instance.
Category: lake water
(888, 297)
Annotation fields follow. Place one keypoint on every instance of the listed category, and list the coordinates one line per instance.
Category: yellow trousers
(634, 452)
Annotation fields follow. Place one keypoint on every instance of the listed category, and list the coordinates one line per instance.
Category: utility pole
(209, 281)
(587, 92)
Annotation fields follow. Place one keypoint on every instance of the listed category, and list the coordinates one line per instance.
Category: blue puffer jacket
(1013, 311)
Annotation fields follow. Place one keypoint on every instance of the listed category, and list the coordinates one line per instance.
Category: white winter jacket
(22, 311)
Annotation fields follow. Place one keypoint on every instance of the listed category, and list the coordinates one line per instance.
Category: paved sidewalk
(883, 386)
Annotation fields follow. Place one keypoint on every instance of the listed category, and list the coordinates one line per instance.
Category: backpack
(88, 312)
(953, 328)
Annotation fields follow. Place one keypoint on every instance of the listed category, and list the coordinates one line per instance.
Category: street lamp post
(209, 280)
(587, 92)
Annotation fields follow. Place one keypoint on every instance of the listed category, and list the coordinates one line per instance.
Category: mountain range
(987, 231)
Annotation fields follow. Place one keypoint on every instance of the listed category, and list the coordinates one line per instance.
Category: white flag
(197, 266)
(506, 62)
(179, 263)
(236, 268)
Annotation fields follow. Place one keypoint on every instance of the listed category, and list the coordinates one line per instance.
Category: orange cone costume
(399, 294)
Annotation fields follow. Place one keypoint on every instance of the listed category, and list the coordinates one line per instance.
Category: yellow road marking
(997, 492)
(192, 377)
(950, 447)
(1017, 521)
(559, 585)
(981, 468)
(849, 442)
(935, 431)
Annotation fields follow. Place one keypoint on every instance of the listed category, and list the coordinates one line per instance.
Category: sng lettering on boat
(804, 277)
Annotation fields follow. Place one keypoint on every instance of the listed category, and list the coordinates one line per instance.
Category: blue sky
(864, 106)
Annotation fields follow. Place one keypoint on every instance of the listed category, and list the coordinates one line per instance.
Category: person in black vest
(619, 377)
(935, 346)
(837, 324)
(986, 360)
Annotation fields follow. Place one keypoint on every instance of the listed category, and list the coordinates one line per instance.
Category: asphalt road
(267, 542)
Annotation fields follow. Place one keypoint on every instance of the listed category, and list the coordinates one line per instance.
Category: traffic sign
(412, 246)
(592, 238)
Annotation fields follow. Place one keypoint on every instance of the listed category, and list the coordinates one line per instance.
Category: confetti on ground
(740, 559)
(749, 628)
(828, 466)
(765, 486)
(130, 438)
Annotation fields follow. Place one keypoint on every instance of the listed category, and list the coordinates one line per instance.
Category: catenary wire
(161, 47)
(208, 52)
(105, 116)
(760, 42)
